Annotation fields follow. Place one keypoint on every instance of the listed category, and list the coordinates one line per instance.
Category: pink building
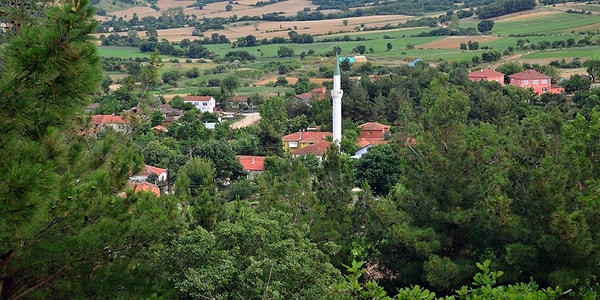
(487, 75)
(535, 80)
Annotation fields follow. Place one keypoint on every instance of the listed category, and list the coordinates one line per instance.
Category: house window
(526, 82)
(544, 89)
(544, 81)
(204, 103)
(536, 81)
(293, 144)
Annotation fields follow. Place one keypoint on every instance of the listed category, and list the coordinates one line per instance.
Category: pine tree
(64, 231)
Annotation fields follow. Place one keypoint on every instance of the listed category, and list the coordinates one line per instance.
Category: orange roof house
(102, 122)
(148, 170)
(302, 139)
(146, 187)
(373, 131)
(486, 75)
(138, 187)
(317, 149)
(532, 79)
(108, 119)
(371, 134)
(159, 129)
(318, 93)
(252, 164)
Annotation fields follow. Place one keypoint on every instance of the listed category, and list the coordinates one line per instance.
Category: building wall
(499, 79)
(205, 106)
(372, 134)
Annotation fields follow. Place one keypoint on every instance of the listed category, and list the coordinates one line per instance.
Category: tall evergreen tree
(64, 231)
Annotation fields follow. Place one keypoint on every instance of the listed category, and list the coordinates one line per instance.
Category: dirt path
(248, 120)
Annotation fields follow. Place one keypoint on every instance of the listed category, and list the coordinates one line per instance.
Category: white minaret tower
(336, 96)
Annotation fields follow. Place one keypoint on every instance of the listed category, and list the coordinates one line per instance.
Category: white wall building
(203, 103)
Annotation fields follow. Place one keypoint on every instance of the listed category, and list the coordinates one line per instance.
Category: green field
(558, 26)
(587, 52)
(546, 24)
(123, 52)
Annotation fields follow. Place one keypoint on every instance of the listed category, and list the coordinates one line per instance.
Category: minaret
(336, 96)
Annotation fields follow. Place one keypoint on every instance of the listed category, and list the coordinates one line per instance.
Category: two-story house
(486, 75)
(302, 139)
(371, 134)
(203, 103)
(373, 131)
(532, 79)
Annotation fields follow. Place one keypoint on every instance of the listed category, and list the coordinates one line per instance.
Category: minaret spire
(336, 96)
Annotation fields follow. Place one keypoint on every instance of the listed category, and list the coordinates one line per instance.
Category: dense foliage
(481, 191)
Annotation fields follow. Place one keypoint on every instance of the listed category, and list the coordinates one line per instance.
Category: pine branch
(40, 284)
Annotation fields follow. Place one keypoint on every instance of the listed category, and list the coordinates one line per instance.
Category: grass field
(559, 23)
(553, 23)
(587, 52)
(123, 52)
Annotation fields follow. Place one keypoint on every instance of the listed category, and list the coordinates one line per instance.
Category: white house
(203, 103)
(148, 170)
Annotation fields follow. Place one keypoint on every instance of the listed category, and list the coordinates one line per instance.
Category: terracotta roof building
(102, 122)
(373, 130)
(318, 94)
(486, 75)
(252, 164)
(317, 149)
(146, 187)
(301, 139)
(532, 79)
(148, 170)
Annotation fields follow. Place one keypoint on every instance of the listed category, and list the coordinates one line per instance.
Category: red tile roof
(197, 98)
(160, 128)
(484, 73)
(528, 75)
(309, 137)
(373, 126)
(317, 149)
(148, 170)
(252, 163)
(361, 143)
(108, 119)
(145, 187)
(319, 93)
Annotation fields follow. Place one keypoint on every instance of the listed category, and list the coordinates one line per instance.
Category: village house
(102, 122)
(371, 134)
(159, 129)
(137, 187)
(373, 131)
(531, 79)
(148, 170)
(315, 94)
(302, 139)
(486, 75)
(252, 164)
(203, 103)
(317, 149)
(171, 114)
